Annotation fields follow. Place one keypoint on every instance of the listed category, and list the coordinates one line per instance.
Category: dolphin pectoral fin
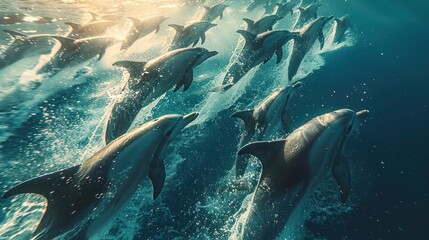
(157, 176)
(203, 38)
(101, 54)
(279, 54)
(250, 23)
(157, 29)
(285, 121)
(188, 78)
(268, 59)
(341, 172)
(16, 35)
(221, 15)
(249, 37)
(248, 119)
(264, 151)
(321, 39)
(195, 43)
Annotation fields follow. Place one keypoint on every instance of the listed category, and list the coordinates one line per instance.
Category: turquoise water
(381, 66)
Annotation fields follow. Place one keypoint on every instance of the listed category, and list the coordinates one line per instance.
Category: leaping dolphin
(150, 80)
(292, 167)
(141, 28)
(304, 42)
(91, 29)
(213, 12)
(306, 14)
(341, 25)
(191, 34)
(264, 120)
(94, 192)
(257, 49)
(262, 25)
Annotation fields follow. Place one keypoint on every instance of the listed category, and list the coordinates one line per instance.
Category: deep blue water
(384, 70)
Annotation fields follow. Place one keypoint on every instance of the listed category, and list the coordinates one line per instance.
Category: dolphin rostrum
(264, 120)
(213, 12)
(257, 49)
(262, 25)
(341, 25)
(91, 194)
(304, 42)
(150, 80)
(142, 28)
(292, 167)
(306, 14)
(191, 34)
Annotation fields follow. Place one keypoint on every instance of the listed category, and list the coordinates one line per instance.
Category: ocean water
(381, 66)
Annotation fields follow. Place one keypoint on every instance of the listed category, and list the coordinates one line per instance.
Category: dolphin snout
(190, 117)
(297, 85)
(362, 113)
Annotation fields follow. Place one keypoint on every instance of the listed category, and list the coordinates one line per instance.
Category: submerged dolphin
(24, 45)
(91, 29)
(292, 167)
(142, 28)
(191, 34)
(213, 12)
(257, 49)
(304, 42)
(282, 10)
(150, 80)
(264, 120)
(262, 25)
(306, 14)
(73, 52)
(341, 25)
(94, 192)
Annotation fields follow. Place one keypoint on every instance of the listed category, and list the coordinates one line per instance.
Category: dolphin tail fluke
(16, 35)
(341, 172)
(178, 28)
(203, 38)
(264, 151)
(248, 119)
(157, 177)
(250, 23)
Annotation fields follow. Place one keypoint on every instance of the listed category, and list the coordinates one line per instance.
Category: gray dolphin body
(306, 14)
(341, 26)
(292, 167)
(304, 42)
(24, 46)
(94, 192)
(150, 80)
(282, 10)
(264, 120)
(189, 35)
(257, 49)
(91, 29)
(73, 52)
(262, 25)
(213, 12)
(141, 28)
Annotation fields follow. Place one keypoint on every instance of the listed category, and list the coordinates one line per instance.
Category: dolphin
(94, 192)
(24, 45)
(264, 120)
(91, 29)
(262, 25)
(142, 28)
(341, 25)
(282, 10)
(257, 49)
(306, 14)
(304, 42)
(150, 80)
(291, 168)
(213, 12)
(73, 52)
(191, 34)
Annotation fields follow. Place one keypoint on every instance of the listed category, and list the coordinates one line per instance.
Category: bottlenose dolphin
(306, 14)
(91, 29)
(262, 25)
(142, 28)
(213, 12)
(94, 192)
(264, 120)
(73, 52)
(341, 25)
(292, 167)
(257, 49)
(24, 45)
(150, 80)
(191, 34)
(282, 10)
(304, 42)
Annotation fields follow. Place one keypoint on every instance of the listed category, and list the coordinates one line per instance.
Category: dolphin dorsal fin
(178, 28)
(66, 42)
(250, 23)
(157, 177)
(74, 26)
(16, 35)
(341, 172)
(248, 119)
(135, 21)
(265, 151)
(207, 8)
(94, 16)
(248, 36)
(134, 68)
